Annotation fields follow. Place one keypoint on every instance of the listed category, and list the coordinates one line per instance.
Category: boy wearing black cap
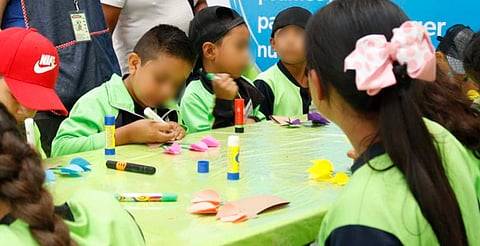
(285, 84)
(450, 56)
(222, 39)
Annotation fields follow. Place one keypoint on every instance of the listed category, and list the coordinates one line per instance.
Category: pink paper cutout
(175, 149)
(210, 196)
(254, 205)
(211, 142)
(228, 209)
(202, 208)
(200, 147)
(240, 217)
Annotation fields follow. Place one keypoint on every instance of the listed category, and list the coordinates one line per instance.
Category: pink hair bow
(373, 57)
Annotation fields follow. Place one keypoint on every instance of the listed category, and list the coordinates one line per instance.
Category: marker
(212, 76)
(109, 135)
(130, 167)
(30, 131)
(150, 114)
(239, 114)
(146, 197)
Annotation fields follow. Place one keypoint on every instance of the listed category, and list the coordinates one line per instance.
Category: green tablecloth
(273, 161)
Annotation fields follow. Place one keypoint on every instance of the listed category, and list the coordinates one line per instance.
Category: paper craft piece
(282, 120)
(75, 168)
(154, 145)
(321, 170)
(340, 178)
(317, 118)
(210, 196)
(175, 149)
(200, 147)
(84, 164)
(254, 205)
(49, 176)
(237, 218)
(296, 122)
(202, 208)
(211, 142)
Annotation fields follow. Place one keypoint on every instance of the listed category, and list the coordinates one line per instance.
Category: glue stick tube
(109, 135)
(239, 115)
(233, 155)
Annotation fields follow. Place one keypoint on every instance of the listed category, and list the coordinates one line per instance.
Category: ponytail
(412, 150)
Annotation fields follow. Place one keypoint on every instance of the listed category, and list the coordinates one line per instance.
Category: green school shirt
(283, 94)
(38, 142)
(378, 207)
(84, 130)
(199, 105)
(98, 219)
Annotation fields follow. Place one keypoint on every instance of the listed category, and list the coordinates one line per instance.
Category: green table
(273, 161)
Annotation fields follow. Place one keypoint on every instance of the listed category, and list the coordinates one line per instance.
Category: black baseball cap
(292, 16)
(453, 45)
(211, 24)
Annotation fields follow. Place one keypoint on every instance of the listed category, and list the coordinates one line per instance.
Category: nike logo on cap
(45, 64)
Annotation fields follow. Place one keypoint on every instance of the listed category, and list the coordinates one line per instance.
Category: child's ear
(209, 50)
(315, 86)
(272, 43)
(134, 63)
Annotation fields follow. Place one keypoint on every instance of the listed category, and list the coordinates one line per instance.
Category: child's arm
(195, 112)
(82, 131)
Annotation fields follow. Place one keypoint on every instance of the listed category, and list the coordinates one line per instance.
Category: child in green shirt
(222, 39)
(285, 85)
(28, 73)
(159, 66)
(413, 183)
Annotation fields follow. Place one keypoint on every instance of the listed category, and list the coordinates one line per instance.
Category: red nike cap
(29, 64)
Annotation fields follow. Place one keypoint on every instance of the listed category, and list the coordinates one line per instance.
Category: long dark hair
(331, 37)
(21, 186)
(444, 102)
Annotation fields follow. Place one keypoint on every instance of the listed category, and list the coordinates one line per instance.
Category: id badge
(80, 26)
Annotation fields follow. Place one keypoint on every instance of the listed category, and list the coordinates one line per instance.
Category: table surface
(273, 162)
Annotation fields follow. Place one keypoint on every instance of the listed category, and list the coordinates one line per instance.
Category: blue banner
(435, 15)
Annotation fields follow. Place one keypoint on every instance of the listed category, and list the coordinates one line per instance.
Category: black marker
(130, 167)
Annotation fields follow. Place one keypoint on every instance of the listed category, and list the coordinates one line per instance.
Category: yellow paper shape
(340, 178)
(321, 170)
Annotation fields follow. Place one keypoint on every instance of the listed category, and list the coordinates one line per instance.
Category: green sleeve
(258, 114)
(83, 130)
(195, 111)
(38, 142)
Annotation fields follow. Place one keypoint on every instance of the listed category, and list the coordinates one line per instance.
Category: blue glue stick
(109, 135)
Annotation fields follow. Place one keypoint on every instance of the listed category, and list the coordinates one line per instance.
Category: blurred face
(19, 111)
(232, 54)
(288, 42)
(157, 81)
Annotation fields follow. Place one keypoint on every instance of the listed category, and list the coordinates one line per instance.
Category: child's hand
(178, 131)
(250, 121)
(225, 87)
(144, 131)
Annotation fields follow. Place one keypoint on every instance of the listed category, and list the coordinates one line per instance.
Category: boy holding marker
(159, 66)
(222, 39)
(28, 72)
(285, 84)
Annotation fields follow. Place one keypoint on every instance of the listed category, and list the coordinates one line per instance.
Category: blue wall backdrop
(435, 15)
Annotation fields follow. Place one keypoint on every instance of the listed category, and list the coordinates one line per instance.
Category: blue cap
(203, 167)
(109, 120)
(233, 176)
(109, 151)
